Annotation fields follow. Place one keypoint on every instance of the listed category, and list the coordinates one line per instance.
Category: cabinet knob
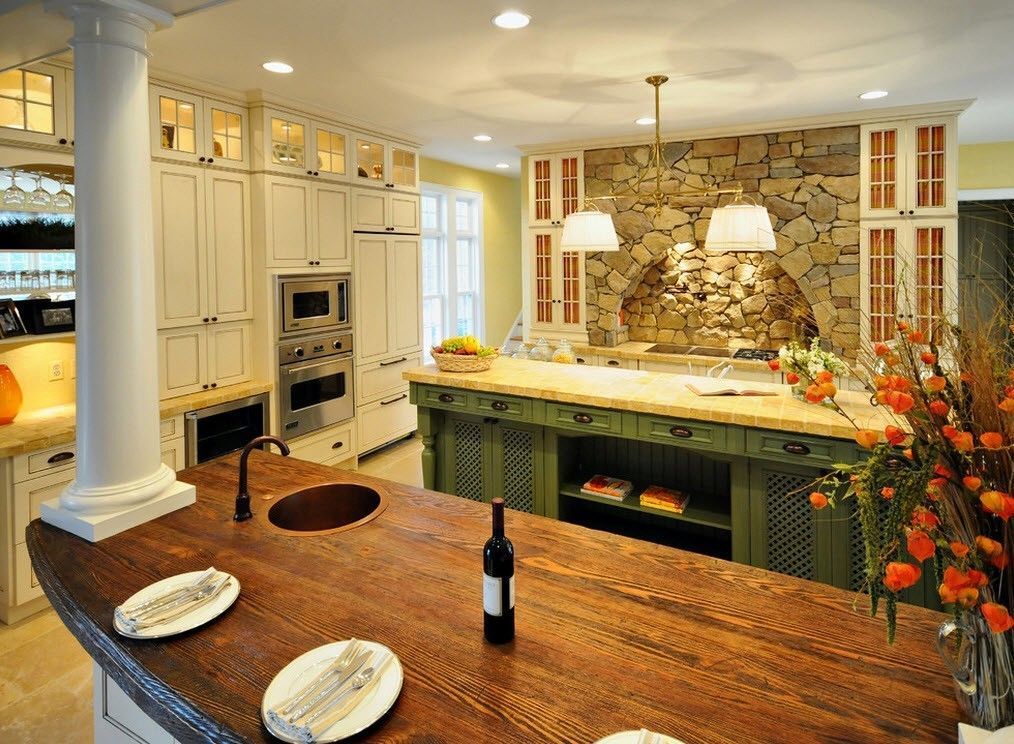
(60, 457)
(63, 140)
(214, 318)
(337, 445)
(681, 431)
(445, 398)
(201, 159)
(911, 211)
(901, 211)
(309, 173)
(796, 448)
(498, 405)
(582, 418)
(214, 384)
(316, 173)
(205, 320)
(389, 229)
(211, 160)
(205, 386)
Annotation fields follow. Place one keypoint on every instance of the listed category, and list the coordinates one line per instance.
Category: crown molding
(850, 118)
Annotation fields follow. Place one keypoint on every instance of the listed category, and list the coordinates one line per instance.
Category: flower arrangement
(810, 370)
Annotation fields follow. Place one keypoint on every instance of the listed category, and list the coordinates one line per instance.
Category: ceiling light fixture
(739, 226)
(872, 95)
(645, 121)
(511, 20)
(280, 67)
(482, 138)
(503, 165)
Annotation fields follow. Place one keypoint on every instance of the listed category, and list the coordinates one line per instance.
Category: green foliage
(35, 233)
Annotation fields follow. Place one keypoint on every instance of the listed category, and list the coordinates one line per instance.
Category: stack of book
(667, 499)
(608, 487)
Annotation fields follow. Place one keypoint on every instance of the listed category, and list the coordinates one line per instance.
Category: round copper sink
(326, 508)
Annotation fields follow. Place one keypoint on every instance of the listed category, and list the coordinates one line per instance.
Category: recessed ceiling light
(503, 165)
(645, 120)
(482, 138)
(511, 19)
(282, 67)
(872, 95)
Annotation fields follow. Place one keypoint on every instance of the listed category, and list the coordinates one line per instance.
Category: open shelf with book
(694, 514)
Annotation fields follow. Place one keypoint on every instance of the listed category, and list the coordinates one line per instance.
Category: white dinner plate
(630, 737)
(301, 671)
(194, 619)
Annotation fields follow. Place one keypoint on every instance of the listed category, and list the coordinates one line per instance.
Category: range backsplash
(671, 291)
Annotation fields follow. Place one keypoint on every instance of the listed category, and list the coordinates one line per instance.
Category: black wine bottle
(498, 582)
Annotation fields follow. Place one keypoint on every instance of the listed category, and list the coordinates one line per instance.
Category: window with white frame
(451, 264)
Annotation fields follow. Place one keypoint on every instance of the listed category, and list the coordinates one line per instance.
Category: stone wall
(670, 290)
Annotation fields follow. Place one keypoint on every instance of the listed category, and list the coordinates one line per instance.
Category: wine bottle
(498, 582)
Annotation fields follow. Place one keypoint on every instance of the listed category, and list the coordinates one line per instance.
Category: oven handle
(296, 369)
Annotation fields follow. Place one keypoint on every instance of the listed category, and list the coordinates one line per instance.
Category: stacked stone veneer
(671, 291)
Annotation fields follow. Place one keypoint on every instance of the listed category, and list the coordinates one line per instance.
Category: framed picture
(10, 320)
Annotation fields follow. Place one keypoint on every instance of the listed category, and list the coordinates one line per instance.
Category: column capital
(146, 17)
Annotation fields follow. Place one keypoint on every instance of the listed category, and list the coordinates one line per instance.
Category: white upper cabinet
(306, 223)
(382, 211)
(909, 169)
(555, 187)
(295, 144)
(35, 104)
(195, 129)
(200, 358)
(202, 245)
(384, 163)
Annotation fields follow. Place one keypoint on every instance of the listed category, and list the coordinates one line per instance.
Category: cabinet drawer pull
(60, 457)
(394, 400)
(613, 362)
(499, 405)
(796, 448)
(445, 398)
(582, 418)
(395, 361)
(337, 445)
(681, 431)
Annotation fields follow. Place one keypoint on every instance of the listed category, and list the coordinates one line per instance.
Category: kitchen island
(534, 432)
(612, 633)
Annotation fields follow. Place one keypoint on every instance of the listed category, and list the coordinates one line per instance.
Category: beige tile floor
(45, 675)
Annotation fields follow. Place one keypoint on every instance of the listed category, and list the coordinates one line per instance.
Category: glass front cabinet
(385, 163)
(555, 187)
(194, 129)
(557, 284)
(36, 104)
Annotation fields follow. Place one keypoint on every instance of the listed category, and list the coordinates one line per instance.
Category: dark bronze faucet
(243, 496)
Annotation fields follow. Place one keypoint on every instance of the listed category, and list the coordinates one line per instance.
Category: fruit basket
(464, 362)
(463, 354)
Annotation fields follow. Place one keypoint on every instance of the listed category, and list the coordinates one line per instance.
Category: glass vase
(982, 665)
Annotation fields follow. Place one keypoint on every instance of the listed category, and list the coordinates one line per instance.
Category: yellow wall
(30, 362)
(986, 166)
(501, 238)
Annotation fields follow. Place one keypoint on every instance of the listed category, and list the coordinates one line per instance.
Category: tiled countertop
(49, 427)
(661, 393)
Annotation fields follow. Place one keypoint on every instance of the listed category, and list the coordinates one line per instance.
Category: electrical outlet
(72, 368)
(55, 370)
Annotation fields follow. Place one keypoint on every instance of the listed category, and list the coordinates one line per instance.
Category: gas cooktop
(762, 355)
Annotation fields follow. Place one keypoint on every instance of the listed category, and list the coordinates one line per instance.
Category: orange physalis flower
(867, 438)
(988, 546)
(887, 492)
(963, 441)
(928, 357)
(881, 349)
(924, 518)
(899, 401)
(997, 617)
(894, 435)
(818, 500)
(909, 453)
(998, 503)
(891, 359)
(916, 337)
(791, 377)
(968, 596)
(948, 431)
(1000, 562)
(828, 389)
(824, 376)
(966, 377)
(898, 576)
(1006, 405)
(972, 483)
(939, 407)
(902, 326)
(943, 471)
(920, 545)
(814, 395)
(991, 439)
(959, 549)
(774, 364)
(936, 383)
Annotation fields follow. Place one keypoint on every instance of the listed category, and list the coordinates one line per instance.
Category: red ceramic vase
(10, 395)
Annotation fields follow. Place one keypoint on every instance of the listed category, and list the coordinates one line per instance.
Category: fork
(207, 595)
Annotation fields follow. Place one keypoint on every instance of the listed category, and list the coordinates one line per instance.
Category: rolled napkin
(168, 602)
(648, 737)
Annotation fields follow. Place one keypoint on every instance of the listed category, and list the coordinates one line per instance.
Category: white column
(121, 481)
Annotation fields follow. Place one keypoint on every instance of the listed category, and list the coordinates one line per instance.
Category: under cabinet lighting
(645, 121)
(482, 138)
(503, 165)
(872, 95)
(512, 20)
(279, 67)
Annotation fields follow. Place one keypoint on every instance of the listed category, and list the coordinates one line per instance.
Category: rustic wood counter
(612, 633)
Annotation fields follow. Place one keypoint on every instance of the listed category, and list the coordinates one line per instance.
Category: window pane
(186, 113)
(466, 265)
(463, 215)
(10, 84)
(432, 267)
(433, 323)
(430, 212)
(40, 117)
(218, 121)
(38, 88)
(12, 113)
(466, 314)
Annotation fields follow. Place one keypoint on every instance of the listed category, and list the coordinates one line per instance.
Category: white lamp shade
(740, 227)
(589, 232)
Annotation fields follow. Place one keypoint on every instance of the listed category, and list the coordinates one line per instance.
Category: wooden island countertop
(612, 633)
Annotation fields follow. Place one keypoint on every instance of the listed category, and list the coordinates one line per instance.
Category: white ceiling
(439, 70)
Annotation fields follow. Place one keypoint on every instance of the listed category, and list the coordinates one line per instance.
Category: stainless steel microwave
(319, 303)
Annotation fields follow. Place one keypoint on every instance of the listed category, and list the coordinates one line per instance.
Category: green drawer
(447, 398)
(503, 406)
(687, 433)
(584, 418)
(792, 448)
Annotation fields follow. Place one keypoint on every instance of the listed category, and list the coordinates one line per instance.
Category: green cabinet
(482, 457)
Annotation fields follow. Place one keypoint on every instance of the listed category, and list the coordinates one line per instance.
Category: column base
(95, 527)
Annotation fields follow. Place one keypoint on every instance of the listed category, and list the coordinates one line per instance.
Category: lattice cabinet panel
(791, 528)
(517, 466)
(470, 461)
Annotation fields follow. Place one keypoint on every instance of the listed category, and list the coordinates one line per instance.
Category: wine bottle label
(492, 594)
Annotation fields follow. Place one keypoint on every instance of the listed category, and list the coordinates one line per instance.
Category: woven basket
(463, 362)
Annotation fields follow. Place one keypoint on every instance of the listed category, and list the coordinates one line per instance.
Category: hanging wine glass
(63, 199)
(40, 198)
(14, 195)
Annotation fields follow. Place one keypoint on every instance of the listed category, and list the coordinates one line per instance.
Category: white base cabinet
(331, 446)
(118, 719)
(204, 357)
(384, 421)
